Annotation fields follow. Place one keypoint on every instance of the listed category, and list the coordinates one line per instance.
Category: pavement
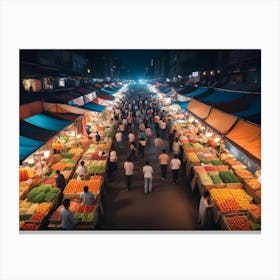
(169, 206)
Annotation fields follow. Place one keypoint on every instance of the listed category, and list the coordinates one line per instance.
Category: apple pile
(238, 222)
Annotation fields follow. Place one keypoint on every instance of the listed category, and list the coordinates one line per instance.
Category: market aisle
(169, 206)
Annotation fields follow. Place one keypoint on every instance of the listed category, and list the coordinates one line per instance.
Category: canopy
(248, 137)
(199, 109)
(34, 132)
(106, 91)
(64, 116)
(44, 121)
(244, 133)
(198, 91)
(164, 89)
(28, 146)
(106, 96)
(183, 105)
(93, 107)
(220, 121)
(30, 109)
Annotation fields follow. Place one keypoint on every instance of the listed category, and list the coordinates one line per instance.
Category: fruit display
(26, 173)
(242, 198)
(30, 226)
(25, 217)
(193, 157)
(253, 184)
(75, 186)
(210, 168)
(216, 178)
(228, 177)
(238, 222)
(228, 205)
(44, 208)
(222, 168)
(58, 166)
(205, 179)
(255, 210)
(50, 181)
(199, 169)
(243, 173)
(32, 209)
(217, 162)
(97, 166)
(37, 218)
(21, 224)
(43, 193)
(75, 151)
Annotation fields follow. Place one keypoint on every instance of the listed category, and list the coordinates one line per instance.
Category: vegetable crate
(241, 222)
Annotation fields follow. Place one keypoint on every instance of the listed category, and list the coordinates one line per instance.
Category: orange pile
(75, 186)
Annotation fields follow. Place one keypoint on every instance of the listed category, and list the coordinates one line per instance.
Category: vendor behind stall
(81, 171)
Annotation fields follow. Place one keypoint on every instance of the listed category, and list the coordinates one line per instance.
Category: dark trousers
(163, 170)
(175, 173)
(132, 155)
(128, 182)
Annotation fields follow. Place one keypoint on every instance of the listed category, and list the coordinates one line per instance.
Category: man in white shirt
(81, 171)
(175, 165)
(148, 177)
(118, 137)
(128, 168)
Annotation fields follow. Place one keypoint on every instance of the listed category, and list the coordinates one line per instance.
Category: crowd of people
(142, 124)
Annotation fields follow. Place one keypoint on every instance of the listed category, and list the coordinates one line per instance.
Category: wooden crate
(234, 185)
(225, 225)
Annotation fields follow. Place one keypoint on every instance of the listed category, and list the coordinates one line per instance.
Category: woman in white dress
(204, 205)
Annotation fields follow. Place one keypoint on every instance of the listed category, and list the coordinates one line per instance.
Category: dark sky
(137, 60)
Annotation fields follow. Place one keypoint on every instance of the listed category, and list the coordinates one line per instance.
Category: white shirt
(148, 171)
(87, 198)
(128, 167)
(131, 137)
(175, 163)
(119, 136)
(176, 147)
(82, 170)
(113, 156)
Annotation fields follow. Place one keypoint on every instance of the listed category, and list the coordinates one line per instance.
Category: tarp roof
(64, 116)
(28, 146)
(105, 96)
(35, 132)
(220, 121)
(247, 136)
(243, 105)
(198, 91)
(106, 91)
(183, 104)
(44, 121)
(164, 89)
(199, 109)
(93, 107)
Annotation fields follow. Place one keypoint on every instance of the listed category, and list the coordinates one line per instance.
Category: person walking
(148, 177)
(163, 161)
(113, 163)
(133, 149)
(158, 144)
(149, 134)
(66, 216)
(131, 136)
(60, 180)
(118, 138)
(175, 165)
(129, 168)
(171, 137)
(176, 147)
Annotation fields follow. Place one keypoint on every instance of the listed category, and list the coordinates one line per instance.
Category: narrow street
(168, 207)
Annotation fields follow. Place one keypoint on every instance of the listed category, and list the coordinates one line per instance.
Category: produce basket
(253, 193)
(240, 222)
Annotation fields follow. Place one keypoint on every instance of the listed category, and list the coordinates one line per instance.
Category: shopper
(175, 165)
(149, 134)
(128, 167)
(148, 177)
(97, 137)
(162, 126)
(176, 147)
(66, 216)
(60, 180)
(113, 162)
(158, 144)
(82, 171)
(163, 161)
(118, 138)
(171, 137)
(204, 215)
(87, 198)
(132, 149)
